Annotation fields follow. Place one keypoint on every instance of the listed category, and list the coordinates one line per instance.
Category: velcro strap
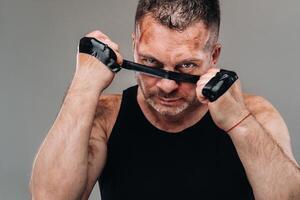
(101, 51)
(219, 84)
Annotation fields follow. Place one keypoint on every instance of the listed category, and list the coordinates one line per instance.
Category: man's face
(158, 46)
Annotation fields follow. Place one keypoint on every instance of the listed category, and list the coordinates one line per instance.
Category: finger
(112, 45)
(119, 58)
(115, 48)
(222, 86)
(200, 96)
(213, 70)
(200, 85)
(236, 91)
(98, 35)
(105, 39)
(204, 79)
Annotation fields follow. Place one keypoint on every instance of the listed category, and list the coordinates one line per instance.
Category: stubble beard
(188, 104)
(167, 111)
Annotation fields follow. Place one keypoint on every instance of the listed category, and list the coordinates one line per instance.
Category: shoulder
(261, 108)
(271, 120)
(266, 114)
(107, 111)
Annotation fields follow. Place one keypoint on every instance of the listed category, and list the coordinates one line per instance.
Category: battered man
(162, 139)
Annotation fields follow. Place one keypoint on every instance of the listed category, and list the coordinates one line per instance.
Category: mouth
(169, 101)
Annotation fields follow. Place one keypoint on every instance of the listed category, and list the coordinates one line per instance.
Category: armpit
(107, 112)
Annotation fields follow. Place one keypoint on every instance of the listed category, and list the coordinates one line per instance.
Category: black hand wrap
(219, 84)
(161, 73)
(215, 88)
(101, 51)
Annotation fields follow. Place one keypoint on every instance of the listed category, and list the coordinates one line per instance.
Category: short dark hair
(179, 14)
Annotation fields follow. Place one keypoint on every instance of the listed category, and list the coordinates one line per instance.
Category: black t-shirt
(146, 163)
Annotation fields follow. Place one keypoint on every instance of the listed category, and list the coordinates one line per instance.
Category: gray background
(38, 40)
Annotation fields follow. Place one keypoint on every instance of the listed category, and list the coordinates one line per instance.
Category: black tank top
(146, 163)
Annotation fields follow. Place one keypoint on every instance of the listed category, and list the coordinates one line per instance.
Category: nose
(167, 85)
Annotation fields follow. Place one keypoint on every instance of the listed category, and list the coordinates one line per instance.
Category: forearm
(60, 167)
(271, 173)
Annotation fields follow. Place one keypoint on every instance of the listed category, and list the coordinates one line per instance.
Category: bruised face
(185, 51)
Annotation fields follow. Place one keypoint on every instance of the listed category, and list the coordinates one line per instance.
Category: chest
(197, 163)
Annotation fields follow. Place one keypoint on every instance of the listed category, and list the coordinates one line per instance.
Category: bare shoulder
(107, 111)
(270, 119)
(265, 113)
(261, 108)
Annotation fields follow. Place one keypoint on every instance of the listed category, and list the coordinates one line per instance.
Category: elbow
(54, 189)
(41, 190)
(36, 192)
(30, 189)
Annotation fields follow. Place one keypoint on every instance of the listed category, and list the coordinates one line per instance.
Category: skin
(79, 149)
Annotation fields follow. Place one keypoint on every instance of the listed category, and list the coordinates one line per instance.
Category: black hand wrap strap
(179, 77)
(215, 88)
(219, 84)
(101, 51)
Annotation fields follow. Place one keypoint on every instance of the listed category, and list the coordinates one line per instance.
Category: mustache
(162, 94)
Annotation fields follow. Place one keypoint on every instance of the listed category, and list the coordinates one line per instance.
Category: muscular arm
(61, 165)
(262, 142)
(74, 150)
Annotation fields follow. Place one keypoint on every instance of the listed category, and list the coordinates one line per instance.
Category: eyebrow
(149, 56)
(187, 60)
(190, 60)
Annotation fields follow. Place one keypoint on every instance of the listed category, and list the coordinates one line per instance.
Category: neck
(172, 124)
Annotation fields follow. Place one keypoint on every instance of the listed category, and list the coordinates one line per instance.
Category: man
(163, 139)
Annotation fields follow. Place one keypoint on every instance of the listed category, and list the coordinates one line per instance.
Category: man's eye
(187, 65)
(149, 61)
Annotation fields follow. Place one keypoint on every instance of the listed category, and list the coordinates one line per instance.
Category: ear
(133, 40)
(216, 54)
(133, 37)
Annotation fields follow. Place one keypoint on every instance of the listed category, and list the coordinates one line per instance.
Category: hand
(228, 109)
(92, 66)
